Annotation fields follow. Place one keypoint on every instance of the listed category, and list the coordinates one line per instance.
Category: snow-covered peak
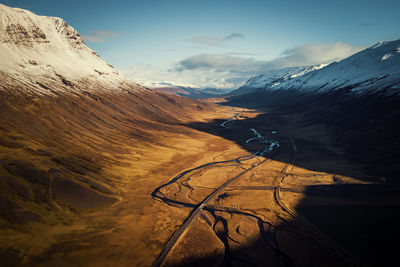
(377, 67)
(18, 26)
(36, 47)
(275, 77)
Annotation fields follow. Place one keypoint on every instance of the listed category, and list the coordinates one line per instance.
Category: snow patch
(275, 78)
(386, 56)
(42, 48)
(368, 70)
(377, 45)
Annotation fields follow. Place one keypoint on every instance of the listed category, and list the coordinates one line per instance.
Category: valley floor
(238, 187)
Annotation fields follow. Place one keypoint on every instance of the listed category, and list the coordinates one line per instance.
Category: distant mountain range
(194, 93)
(375, 68)
(273, 78)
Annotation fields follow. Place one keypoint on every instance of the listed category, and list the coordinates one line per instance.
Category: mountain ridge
(375, 67)
(275, 77)
(191, 92)
(68, 122)
(41, 48)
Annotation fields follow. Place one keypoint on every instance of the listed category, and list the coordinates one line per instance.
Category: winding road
(195, 213)
(198, 208)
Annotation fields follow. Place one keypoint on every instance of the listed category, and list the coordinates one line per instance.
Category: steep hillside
(35, 48)
(357, 103)
(357, 98)
(73, 134)
(377, 67)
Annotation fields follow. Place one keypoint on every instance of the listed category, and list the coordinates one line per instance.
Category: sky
(220, 44)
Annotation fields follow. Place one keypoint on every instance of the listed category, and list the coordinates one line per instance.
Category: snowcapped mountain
(275, 77)
(35, 48)
(357, 99)
(68, 117)
(377, 67)
(191, 92)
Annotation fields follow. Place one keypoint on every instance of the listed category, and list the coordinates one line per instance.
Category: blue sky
(221, 43)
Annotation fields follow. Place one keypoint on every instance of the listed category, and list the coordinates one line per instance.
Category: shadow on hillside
(365, 125)
(362, 218)
(369, 233)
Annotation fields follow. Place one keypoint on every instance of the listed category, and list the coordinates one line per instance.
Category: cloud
(206, 40)
(92, 39)
(233, 36)
(106, 34)
(297, 56)
(216, 41)
(151, 75)
(315, 54)
(168, 49)
(242, 54)
(231, 71)
(123, 55)
(99, 36)
(219, 63)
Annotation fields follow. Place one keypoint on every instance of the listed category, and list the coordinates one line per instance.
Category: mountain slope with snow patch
(35, 48)
(275, 77)
(375, 68)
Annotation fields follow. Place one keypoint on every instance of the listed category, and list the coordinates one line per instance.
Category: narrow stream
(185, 176)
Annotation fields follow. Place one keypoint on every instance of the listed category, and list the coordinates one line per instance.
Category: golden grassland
(77, 174)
